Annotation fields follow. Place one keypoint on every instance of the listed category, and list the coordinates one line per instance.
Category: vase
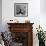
(41, 43)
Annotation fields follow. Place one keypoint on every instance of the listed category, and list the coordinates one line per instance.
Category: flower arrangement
(40, 34)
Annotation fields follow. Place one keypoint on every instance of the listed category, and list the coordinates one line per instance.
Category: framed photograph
(20, 9)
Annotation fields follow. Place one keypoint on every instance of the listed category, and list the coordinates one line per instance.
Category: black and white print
(21, 9)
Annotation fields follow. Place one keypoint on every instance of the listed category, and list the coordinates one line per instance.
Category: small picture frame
(20, 9)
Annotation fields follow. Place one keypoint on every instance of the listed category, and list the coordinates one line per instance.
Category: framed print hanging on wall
(20, 9)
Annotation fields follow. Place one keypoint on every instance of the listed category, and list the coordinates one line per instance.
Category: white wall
(43, 14)
(43, 6)
(8, 10)
(0, 15)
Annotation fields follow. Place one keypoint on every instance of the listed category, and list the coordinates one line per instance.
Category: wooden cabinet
(22, 33)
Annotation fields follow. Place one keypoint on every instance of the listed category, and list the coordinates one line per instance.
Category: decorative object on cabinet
(27, 21)
(20, 9)
(13, 21)
(22, 33)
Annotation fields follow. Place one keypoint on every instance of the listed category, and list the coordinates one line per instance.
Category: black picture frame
(20, 9)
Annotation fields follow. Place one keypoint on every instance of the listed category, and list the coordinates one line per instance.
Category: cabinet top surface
(19, 23)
